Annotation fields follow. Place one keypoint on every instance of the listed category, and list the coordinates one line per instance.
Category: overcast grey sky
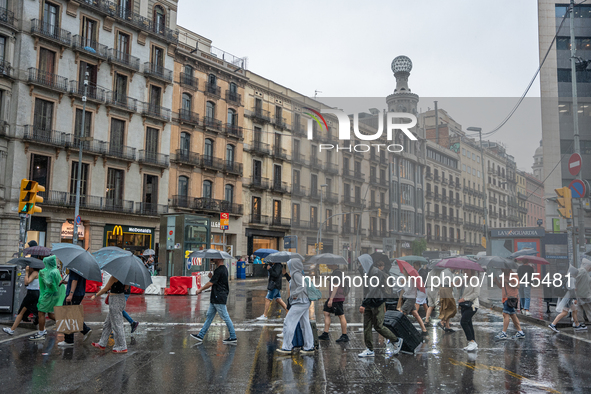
(344, 49)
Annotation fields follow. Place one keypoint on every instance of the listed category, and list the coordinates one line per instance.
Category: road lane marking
(513, 374)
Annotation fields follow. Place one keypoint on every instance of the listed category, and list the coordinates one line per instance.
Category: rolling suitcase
(399, 324)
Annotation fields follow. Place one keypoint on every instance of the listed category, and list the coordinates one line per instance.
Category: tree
(419, 245)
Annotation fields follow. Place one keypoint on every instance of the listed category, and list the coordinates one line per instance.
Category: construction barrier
(93, 286)
(179, 285)
(157, 286)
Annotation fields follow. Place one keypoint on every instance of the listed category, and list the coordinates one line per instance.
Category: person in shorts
(408, 299)
(275, 271)
(510, 289)
(334, 305)
(566, 305)
(421, 295)
(432, 294)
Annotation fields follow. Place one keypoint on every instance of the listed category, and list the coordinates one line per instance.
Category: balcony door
(150, 194)
(117, 136)
(257, 171)
(74, 181)
(277, 175)
(51, 18)
(256, 209)
(151, 144)
(183, 191)
(115, 188)
(208, 151)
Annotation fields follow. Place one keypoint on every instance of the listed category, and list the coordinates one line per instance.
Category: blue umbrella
(123, 265)
(262, 253)
(523, 252)
(78, 260)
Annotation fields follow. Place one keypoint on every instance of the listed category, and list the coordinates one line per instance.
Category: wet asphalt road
(162, 357)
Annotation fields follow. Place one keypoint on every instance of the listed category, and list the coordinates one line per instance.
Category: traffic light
(28, 197)
(321, 246)
(564, 200)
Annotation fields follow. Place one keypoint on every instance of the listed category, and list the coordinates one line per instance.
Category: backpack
(311, 291)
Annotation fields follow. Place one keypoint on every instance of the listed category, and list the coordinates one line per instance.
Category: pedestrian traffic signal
(564, 201)
(29, 198)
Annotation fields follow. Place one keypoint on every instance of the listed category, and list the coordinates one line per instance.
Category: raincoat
(51, 293)
(297, 291)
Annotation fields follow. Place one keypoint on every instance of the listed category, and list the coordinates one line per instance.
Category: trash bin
(8, 278)
(241, 270)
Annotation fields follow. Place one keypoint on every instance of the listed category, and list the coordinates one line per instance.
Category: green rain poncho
(50, 291)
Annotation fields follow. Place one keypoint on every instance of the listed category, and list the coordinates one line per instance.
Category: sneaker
(343, 338)
(450, 330)
(65, 344)
(307, 351)
(501, 336)
(324, 336)
(471, 347)
(262, 317)
(367, 353)
(8, 330)
(389, 348)
(398, 346)
(96, 345)
(230, 341)
(581, 327)
(553, 327)
(40, 336)
(519, 335)
(527, 313)
(283, 351)
(197, 338)
(87, 335)
(134, 326)
(120, 351)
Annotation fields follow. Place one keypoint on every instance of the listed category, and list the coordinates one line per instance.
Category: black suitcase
(399, 324)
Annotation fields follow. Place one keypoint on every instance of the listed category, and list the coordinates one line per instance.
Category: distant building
(538, 167)
(536, 208)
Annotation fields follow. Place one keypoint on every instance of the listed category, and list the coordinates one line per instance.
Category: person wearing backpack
(372, 308)
(300, 295)
(334, 305)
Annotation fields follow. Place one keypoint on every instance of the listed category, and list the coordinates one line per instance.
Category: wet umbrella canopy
(123, 265)
(532, 260)
(78, 260)
(377, 256)
(460, 263)
(412, 259)
(28, 261)
(327, 259)
(283, 257)
(212, 254)
(40, 251)
(490, 262)
(523, 252)
(409, 269)
(262, 253)
(149, 252)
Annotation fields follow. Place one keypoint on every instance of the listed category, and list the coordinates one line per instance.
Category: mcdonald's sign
(117, 230)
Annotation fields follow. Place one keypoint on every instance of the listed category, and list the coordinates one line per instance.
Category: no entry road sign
(574, 164)
(577, 188)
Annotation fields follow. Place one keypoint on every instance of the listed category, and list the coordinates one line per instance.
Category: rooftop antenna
(316, 93)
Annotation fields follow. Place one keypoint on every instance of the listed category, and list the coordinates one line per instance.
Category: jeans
(375, 317)
(466, 322)
(525, 296)
(125, 314)
(223, 312)
(69, 338)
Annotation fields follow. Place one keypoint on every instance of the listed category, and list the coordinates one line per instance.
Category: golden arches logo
(117, 230)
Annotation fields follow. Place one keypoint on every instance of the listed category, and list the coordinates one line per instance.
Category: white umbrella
(212, 254)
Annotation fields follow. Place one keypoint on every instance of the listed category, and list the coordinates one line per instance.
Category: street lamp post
(479, 131)
(319, 235)
(79, 175)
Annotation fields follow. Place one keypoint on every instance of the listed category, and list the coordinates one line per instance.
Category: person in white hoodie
(469, 305)
(583, 289)
(298, 313)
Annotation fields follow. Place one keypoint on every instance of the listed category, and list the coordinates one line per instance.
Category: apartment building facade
(536, 207)
(125, 135)
(522, 205)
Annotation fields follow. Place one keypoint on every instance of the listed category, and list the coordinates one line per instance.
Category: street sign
(574, 164)
(78, 220)
(224, 221)
(577, 188)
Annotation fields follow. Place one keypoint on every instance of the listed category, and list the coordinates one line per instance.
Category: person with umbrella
(51, 294)
(114, 321)
(273, 288)
(372, 307)
(409, 295)
(510, 288)
(29, 304)
(220, 289)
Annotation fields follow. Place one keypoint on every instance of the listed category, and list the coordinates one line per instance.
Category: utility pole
(486, 224)
(319, 235)
(79, 175)
(577, 146)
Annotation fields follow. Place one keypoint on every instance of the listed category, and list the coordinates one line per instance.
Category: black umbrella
(30, 261)
(497, 262)
(283, 257)
(377, 256)
(38, 250)
(77, 259)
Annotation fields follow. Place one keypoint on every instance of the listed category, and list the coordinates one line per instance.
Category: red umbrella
(532, 260)
(460, 263)
(404, 266)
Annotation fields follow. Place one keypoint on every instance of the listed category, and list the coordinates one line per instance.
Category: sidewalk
(491, 298)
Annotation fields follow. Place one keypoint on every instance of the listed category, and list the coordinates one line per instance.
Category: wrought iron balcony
(492, 200)
(93, 93)
(429, 195)
(156, 112)
(150, 209)
(279, 187)
(6, 17)
(212, 163)
(315, 163)
(157, 71)
(65, 199)
(124, 59)
(298, 129)
(280, 123)
(521, 196)
(502, 203)
(444, 181)
(6, 70)
(186, 157)
(299, 190)
(429, 176)
(259, 183)
(315, 193)
(233, 130)
(258, 115)
(331, 168)
(212, 123)
(232, 167)
(51, 32)
(213, 205)
(331, 197)
(188, 117)
(122, 102)
(279, 153)
(352, 201)
(298, 159)
(436, 178)
(188, 81)
(44, 136)
(89, 47)
(213, 90)
(48, 80)
(93, 146)
(280, 222)
(153, 158)
(257, 218)
(233, 97)
(259, 147)
(181, 201)
(120, 152)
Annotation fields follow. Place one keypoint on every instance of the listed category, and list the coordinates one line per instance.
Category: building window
(51, 18)
(232, 117)
(115, 188)
(187, 103)
(295, 214)
(40, 170)
(150, 194)
(157, 59)
(208, 149)
(46, 65)
(155, 98)
(123, 47)
(207, 189)
(183, 187)
(212, 84)
(276, 211)
(313, 217)
(121, 88)
(230, 154)
(256, 209)
(74, 179)
(151, 143)
(117, 134)
(277, 175)
(159, 19)
(233, 92)
(78, 130)
(229, 193)
(210, 110)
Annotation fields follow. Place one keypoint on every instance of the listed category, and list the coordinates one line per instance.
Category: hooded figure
(298, 313)
(582, 282)
(373, 296)
(50, 291)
